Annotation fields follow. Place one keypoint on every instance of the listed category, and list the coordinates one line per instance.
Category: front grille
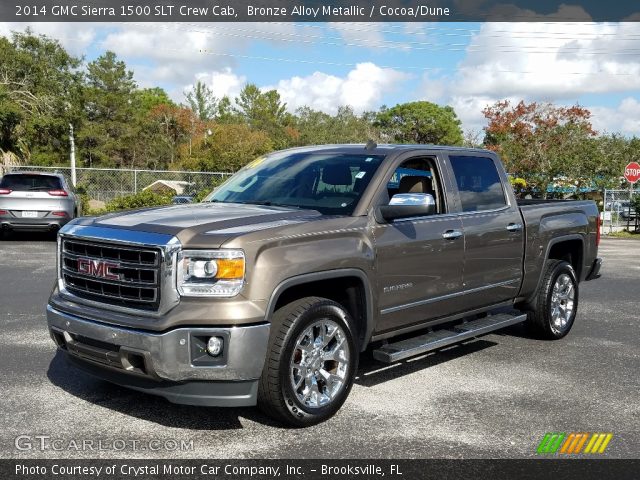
(132, 279)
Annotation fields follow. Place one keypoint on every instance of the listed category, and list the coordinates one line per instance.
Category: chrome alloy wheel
(319, 363)
(562, 302)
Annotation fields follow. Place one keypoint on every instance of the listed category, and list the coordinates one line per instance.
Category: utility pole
(73, 155)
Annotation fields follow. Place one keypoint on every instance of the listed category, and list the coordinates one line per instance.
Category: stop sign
(632, 172)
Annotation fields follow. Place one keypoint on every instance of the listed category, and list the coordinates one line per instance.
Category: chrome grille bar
(122, 275)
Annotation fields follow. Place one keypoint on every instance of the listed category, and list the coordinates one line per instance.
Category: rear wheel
(311, 362)
(553, 311)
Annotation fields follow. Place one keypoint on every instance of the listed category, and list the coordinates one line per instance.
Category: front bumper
(170, 364)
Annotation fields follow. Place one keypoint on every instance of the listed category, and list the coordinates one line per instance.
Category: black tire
(541, 309)
(276, 394)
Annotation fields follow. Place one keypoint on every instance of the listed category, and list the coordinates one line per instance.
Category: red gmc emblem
(98, 268)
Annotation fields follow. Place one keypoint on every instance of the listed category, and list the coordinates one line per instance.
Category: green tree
(420, 122)
(225, 113)
(173, 126)
(603, 160)
(202, 101)
(264, 111)
(150, 150)
(146, 99)
(315, 127)
(229, 148)
(40, 94)
(109, 108)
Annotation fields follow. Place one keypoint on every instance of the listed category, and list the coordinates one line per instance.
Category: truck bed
(546, 222)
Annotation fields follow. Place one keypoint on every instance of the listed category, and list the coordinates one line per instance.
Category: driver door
(419, 260)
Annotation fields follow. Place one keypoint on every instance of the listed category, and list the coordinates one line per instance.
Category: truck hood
(218, 221)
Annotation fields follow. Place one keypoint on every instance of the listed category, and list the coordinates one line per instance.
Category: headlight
(210, 273)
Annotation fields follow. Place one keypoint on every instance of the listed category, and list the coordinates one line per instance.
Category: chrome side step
(434, 340)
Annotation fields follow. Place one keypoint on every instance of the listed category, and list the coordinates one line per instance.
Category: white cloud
(177, 52)
(74, 37)
(377, 36)
(223, 83)
(469, 111)
(550, 60)
(361, 34)
(554, 62)
(625, 118)
(362, 88)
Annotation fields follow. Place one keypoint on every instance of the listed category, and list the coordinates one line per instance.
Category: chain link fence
(619, 213)
(105, 184)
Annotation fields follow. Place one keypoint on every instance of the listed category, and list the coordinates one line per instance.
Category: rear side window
(30, 182)
(478, 183)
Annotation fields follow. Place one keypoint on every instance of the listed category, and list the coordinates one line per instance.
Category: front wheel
(311, 362)
(553, 311)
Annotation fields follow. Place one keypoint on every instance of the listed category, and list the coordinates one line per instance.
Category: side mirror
(406, 205)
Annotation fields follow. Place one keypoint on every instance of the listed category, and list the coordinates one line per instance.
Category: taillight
(59, 214)
(58, 193)
(5, 191)
(3, 212)
(598, 225)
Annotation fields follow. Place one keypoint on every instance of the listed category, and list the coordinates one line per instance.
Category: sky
(367, 65)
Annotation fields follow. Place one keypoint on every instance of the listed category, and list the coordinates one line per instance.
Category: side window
(417, 175)
(478, 183)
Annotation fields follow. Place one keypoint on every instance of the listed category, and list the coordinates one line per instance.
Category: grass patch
(623, 234)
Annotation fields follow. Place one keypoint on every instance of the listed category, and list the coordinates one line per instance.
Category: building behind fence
(105, 184)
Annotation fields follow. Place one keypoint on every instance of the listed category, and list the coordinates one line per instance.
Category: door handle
(451, 234)
(514, 227)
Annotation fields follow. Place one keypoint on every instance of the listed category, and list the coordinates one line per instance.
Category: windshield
(331, 183)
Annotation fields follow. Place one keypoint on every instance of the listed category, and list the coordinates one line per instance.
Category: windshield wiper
(264, 203)
(272, 204)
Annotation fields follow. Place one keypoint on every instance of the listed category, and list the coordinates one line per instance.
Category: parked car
(181, 199)
(625, 210)
(267, 292)
(36, 201)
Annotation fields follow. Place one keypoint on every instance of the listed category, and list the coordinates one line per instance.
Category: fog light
(214, 346)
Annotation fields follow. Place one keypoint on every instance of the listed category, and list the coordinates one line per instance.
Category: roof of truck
(384, 149)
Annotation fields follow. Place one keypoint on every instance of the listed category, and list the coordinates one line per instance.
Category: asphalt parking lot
(493, 397)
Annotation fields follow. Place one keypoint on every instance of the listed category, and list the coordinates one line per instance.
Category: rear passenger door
(494, 232)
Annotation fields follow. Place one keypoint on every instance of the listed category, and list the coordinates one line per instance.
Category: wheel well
(570, 251)
(347, 291)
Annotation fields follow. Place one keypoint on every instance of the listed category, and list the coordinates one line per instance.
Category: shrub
(81, 193)
(146, 198)
(142, 199)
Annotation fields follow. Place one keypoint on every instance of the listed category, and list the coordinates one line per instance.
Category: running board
(434, 340)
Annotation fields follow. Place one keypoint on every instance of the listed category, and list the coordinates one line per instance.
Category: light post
(72, 155)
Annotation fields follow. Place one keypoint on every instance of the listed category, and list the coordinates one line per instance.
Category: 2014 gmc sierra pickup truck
(267, 292)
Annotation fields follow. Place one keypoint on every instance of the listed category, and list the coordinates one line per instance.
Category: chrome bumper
(174, 356)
